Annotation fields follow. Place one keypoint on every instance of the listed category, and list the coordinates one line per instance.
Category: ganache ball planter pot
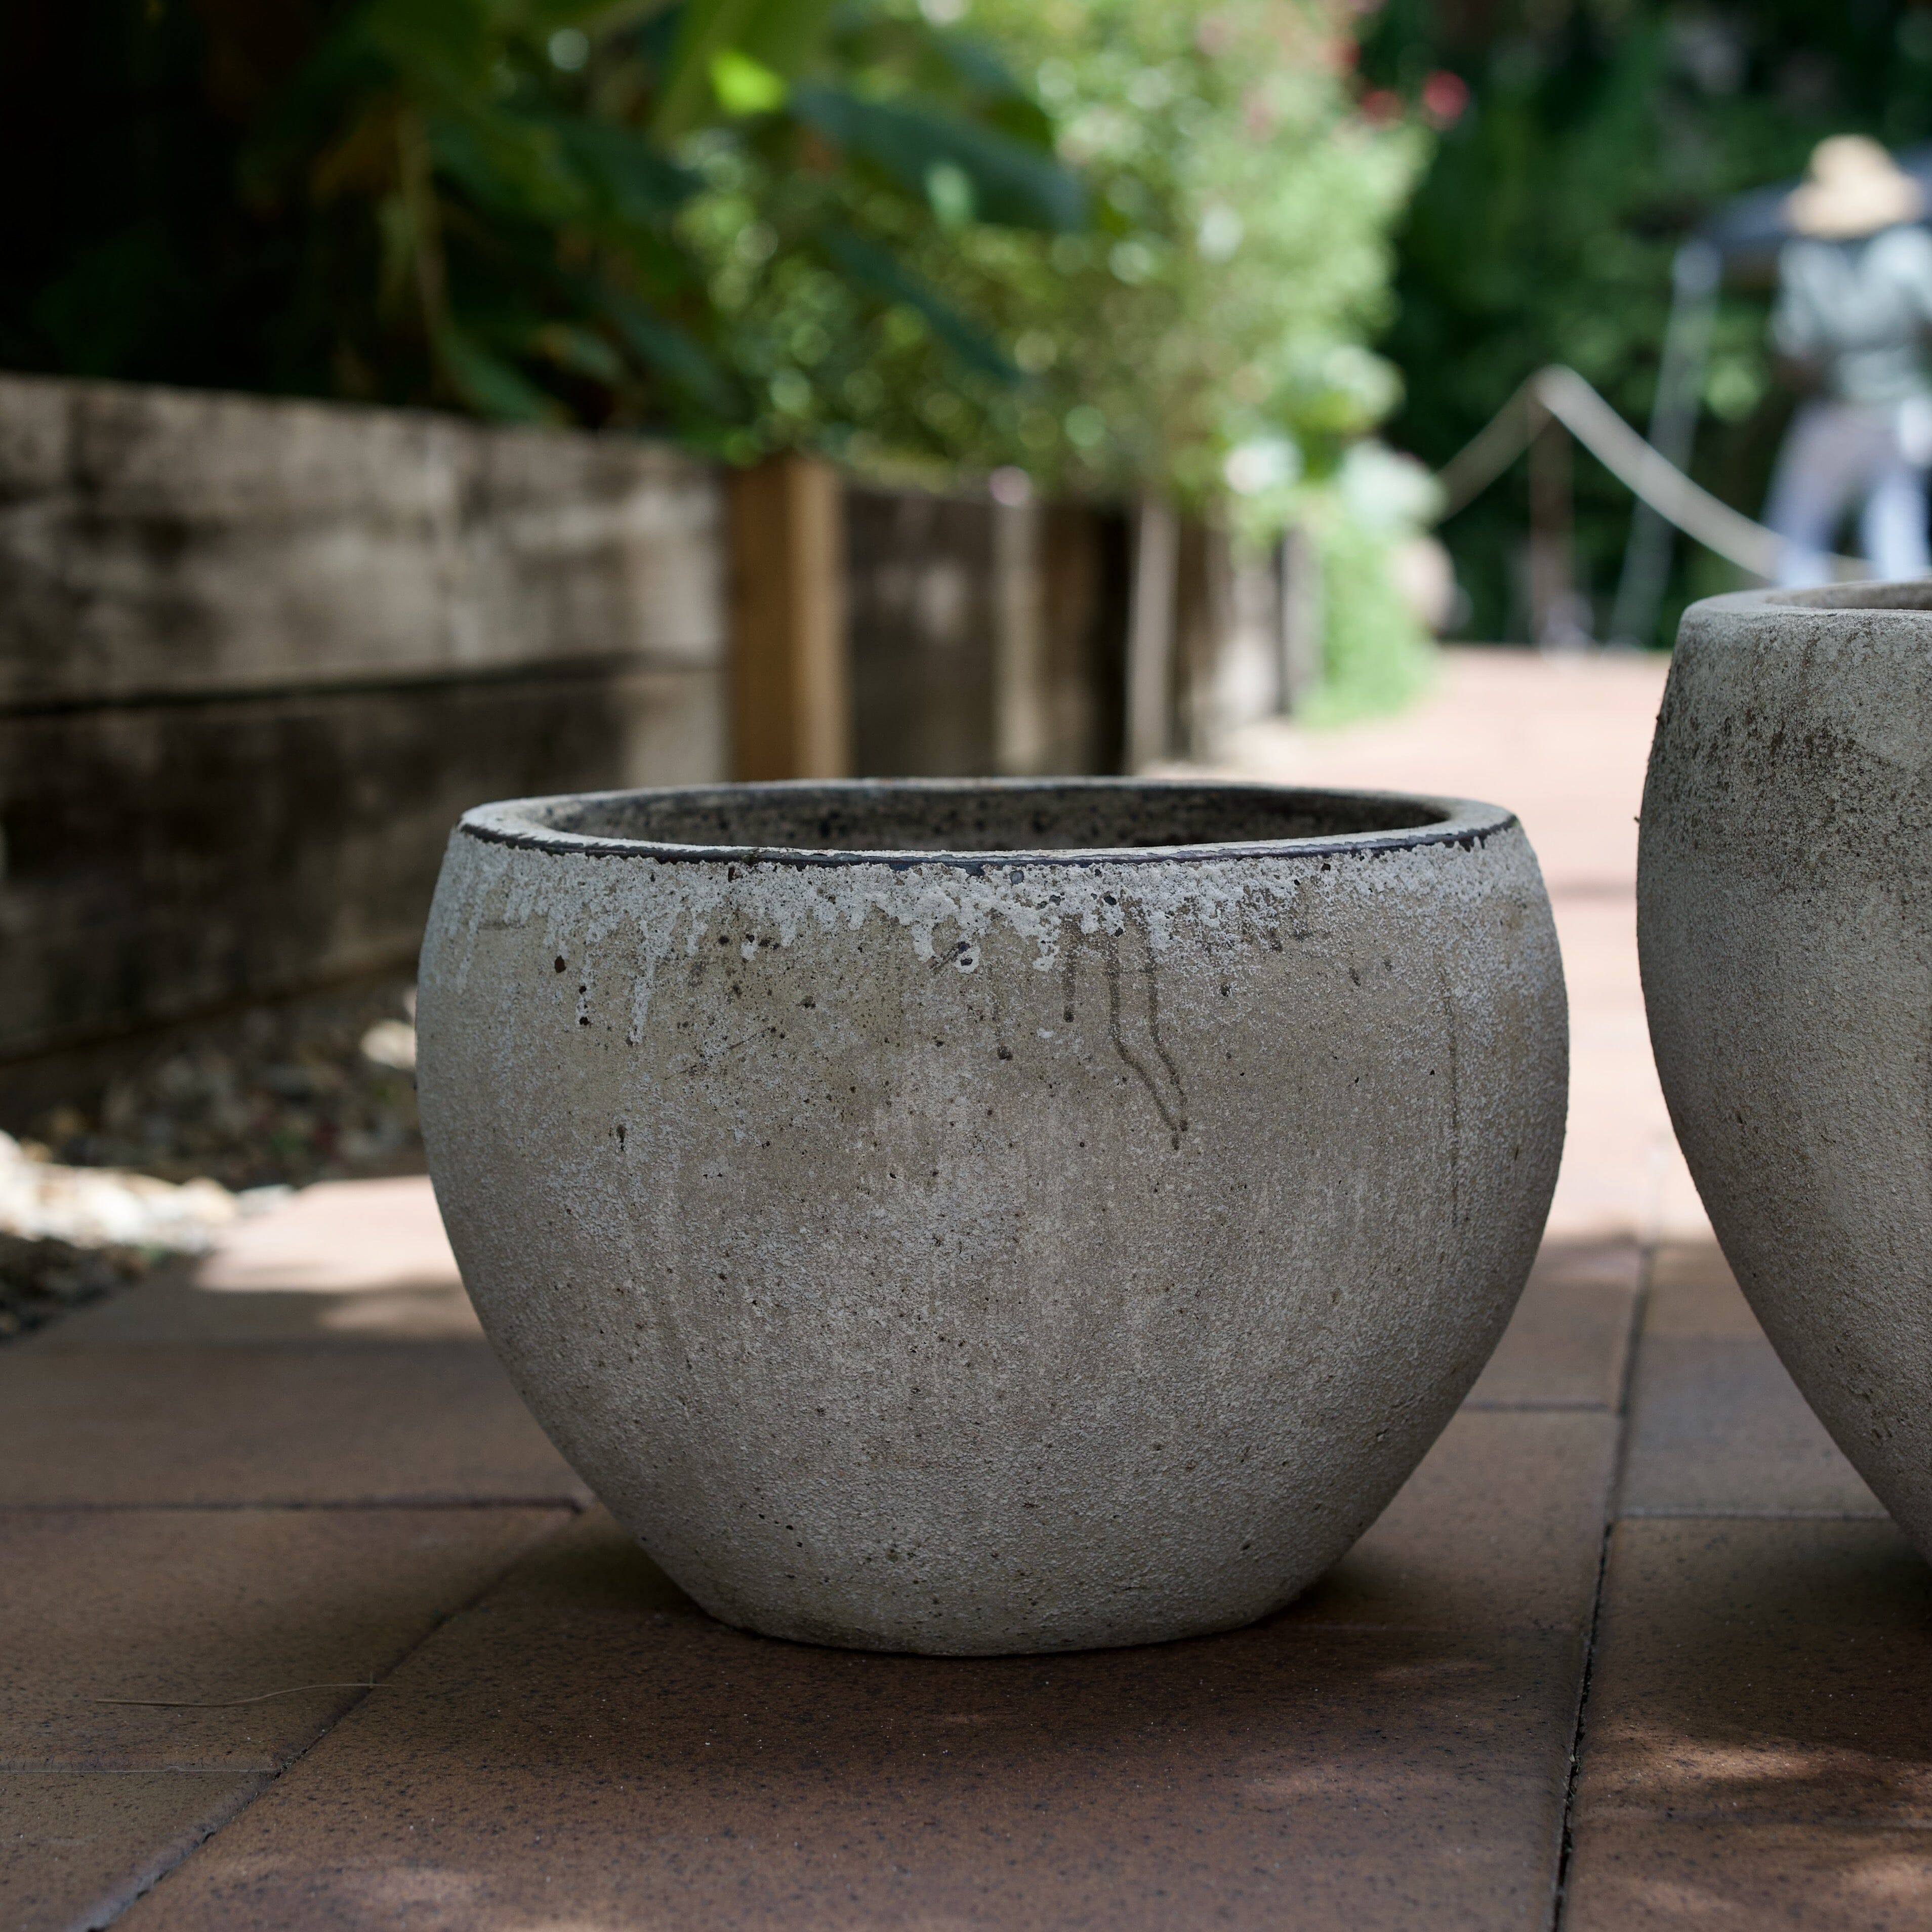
(1784, 928)
(971, 1217)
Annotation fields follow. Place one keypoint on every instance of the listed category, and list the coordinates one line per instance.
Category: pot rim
(1467, 823)
(1862, 598)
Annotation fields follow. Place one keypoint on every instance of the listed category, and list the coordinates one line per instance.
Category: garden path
(1633, 1647)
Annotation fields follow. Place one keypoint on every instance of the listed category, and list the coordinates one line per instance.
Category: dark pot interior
(917, 816)
(1914, 595)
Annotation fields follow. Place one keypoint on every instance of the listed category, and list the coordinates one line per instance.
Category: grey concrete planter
(980, 1217)
(1784, 920)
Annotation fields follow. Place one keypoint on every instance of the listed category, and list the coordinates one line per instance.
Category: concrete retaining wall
(256, 656)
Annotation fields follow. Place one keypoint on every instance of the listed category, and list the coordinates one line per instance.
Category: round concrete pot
(981, 1217)
(1784, 924)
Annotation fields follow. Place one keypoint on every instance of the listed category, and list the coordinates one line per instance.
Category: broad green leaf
(979, 67)
(509, 164)
(785, 35)
(949, 189)
(873, 268)
(705, 28)
(491, 385)
(622, 168)
(1013, 185)
(581, 351)
(664, 346)
(744, 85)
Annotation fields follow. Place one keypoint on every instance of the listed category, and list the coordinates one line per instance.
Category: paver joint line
(1539, 1408)
(1643, 1512)
(1639, 1305)
(131, 1881)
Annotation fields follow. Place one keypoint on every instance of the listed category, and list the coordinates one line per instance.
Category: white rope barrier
(1645, 472)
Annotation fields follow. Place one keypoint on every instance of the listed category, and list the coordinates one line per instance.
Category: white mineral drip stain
(666, 908)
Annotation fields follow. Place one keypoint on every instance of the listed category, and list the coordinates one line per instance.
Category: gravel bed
(182, 1138)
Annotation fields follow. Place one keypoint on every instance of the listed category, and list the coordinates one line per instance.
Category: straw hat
(1852, 187)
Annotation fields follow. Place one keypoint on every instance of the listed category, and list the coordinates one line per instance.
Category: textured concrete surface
(255, 654)
(579, 1749)
(1562, 741)
(976, 1256)
(1786, 947)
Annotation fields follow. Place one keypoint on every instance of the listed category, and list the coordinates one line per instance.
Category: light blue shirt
(1860, 309)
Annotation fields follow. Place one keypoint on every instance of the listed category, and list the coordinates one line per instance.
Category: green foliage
(1208, 330)
(1205, 329)
(477, 203)
(1126, 245)
(1239, 248)
(1600, 132)
(1237, 252)
(1375, 655)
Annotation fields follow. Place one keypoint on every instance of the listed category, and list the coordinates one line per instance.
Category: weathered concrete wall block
(256, 656)
(155, 540)
(162, 859)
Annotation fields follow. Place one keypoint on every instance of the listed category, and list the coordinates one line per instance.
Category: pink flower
(1444, 96)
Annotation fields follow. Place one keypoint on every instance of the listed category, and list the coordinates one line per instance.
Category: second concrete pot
(1784, 923)
(990, 1217)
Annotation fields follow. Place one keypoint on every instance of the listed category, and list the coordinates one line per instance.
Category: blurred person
(1853, 314)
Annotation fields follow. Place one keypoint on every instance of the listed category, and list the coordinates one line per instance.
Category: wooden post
(1552, 602)
(791, 681)
(1150, 633)
(1303, 614)
(1202, 621)
(1022, 696)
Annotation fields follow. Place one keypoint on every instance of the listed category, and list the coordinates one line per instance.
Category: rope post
(1695, 275)
(1151, 633)
(1299, 601)
(1553, 603)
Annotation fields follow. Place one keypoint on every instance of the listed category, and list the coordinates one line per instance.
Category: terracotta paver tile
(375, 1423)
(201, 1606)
(1631, 1875)
(1693, 1292)
(339, 1237)
(1568, 1344)
(1768, 1671)
(585, 1748)
(1717, 1428)
(1562, 742)
(1501, 1528)
(77, 1847)
(342, 1261)
(172, 1306)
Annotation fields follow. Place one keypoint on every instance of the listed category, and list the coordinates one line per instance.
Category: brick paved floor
(1634, 1647)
